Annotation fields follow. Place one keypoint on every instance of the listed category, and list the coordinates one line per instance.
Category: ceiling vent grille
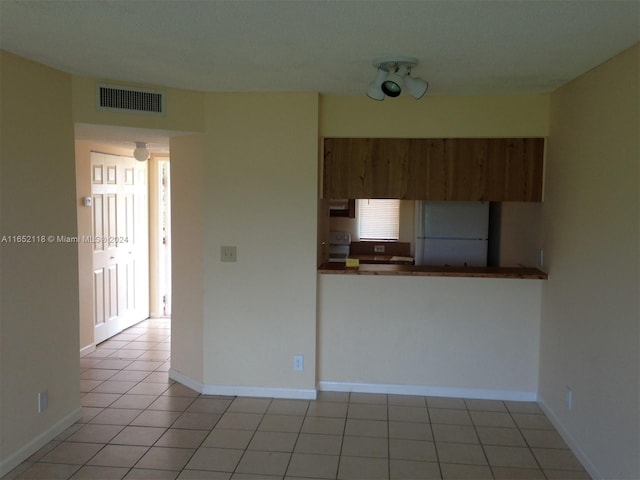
(127, 99)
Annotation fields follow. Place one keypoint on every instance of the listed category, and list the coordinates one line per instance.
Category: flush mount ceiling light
(141, 153)
(394, 74)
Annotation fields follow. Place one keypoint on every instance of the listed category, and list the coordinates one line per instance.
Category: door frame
(156, 289)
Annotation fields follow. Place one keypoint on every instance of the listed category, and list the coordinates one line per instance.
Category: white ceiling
(326, 46)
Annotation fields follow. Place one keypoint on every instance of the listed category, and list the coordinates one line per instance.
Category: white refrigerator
(452, 233)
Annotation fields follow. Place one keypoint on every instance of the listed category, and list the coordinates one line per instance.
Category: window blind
(378, 219)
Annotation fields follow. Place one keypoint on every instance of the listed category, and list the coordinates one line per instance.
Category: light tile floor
(139, 424)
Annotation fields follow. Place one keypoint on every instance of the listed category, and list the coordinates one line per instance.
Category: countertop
(433, 271)
(383, 259)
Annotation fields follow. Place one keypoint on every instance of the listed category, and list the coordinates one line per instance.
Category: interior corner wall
(260, 196)
(187, 256)
(590, 312)
(39, 274)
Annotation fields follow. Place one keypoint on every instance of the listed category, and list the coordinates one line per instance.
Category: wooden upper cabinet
(493, 169)
(364, 168)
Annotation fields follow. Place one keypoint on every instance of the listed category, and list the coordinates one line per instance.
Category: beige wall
(473, 337)
(39, 308)
(260, 195)
(187, 256)
(520, 234)
(403, 117)
(589, 339)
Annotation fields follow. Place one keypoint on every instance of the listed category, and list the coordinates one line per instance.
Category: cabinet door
(497, 166)
(467, 167)
(389, 169)
(488, 169)
(346, 164)
(365, 167)
(515, 169)
(427, 173)
(525, 161)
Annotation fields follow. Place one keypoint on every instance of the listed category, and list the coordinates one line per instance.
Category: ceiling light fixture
(141, 153)
(394, 74)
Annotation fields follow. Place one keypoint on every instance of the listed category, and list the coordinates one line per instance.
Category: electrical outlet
(568, 398)
(298, 363)
(42, 401)
(378, 249)
(227, 254)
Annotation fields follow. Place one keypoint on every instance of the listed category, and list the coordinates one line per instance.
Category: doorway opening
(129, 201)
(119, 242)
(162, 223)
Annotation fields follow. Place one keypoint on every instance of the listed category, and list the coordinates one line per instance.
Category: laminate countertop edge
(524, 273)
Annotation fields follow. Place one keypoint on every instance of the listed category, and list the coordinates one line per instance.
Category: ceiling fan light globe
(140, 153)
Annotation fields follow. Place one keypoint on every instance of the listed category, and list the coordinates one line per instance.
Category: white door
(120, 237)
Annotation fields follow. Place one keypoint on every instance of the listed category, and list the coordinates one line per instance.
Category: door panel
(98, 286)
(120, 239)
(112, 275)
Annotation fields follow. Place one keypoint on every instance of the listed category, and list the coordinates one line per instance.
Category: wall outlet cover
(298, 363)
(42, 401)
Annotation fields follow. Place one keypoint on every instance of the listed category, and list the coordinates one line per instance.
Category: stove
(339, 244)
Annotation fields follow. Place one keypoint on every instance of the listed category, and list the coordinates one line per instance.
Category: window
(379, 219)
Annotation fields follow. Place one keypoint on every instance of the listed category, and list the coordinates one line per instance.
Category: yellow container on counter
(353, 263)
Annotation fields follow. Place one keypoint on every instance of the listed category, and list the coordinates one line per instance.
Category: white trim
(185, 380)
(429, 391)
(311, 394)
(39, 441)
(570, 441)
(87, 350)
(243, 391)
(272, 392)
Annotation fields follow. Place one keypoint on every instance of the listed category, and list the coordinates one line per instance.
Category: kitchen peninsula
(424, 330)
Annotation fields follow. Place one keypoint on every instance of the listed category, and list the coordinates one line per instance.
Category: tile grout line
(433, 437)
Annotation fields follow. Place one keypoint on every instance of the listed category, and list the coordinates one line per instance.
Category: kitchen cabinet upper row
(486, 169)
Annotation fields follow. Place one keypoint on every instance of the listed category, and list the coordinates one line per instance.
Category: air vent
(127, 99)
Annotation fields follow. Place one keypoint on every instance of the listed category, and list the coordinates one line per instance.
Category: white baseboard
(185, 380)
(272, 392)
(35, 444)
(243, 391)
(311, 394)
(570, 441)
(429, 391)
(87, 350)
